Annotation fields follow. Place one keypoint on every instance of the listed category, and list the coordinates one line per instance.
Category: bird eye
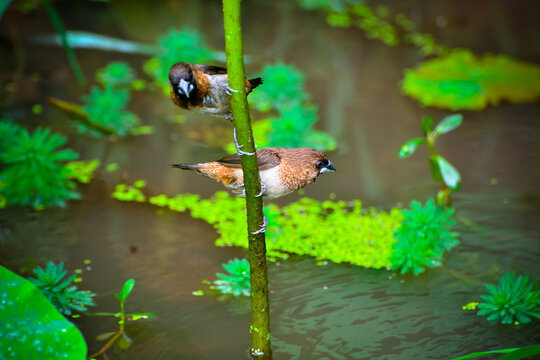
(319, 164)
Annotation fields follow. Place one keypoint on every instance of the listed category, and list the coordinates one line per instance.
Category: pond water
(335, 311)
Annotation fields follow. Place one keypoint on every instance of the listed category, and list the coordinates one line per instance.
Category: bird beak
(185, 87)
(329, 168)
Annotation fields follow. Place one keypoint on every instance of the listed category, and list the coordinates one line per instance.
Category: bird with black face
(203, 88)
(281, 170)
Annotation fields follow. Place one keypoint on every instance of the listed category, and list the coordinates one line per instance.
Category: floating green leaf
(449, 174)
(410, 147)
(32, 328)
(448, 124)
(462, 80)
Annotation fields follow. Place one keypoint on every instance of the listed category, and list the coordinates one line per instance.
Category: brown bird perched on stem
(282, 170)
(204, 88)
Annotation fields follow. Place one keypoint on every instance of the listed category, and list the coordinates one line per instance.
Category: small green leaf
(427, 124)
(449, 173)
(137, 316)
(128, 286)
(448, 124)
(105, 336)
(435, 168)
(409, 147)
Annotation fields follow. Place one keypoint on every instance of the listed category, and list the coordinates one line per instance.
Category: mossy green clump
(329, 230)
(82, 171)
(462, 80)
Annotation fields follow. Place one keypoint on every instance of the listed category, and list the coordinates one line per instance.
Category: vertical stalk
(443, 197)
(260, 310)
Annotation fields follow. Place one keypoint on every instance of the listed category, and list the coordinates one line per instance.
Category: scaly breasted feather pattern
(203, 88)
(282, 170)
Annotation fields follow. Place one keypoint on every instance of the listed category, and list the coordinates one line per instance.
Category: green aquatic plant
(236, 282)
(462, 80)
(59, 291)
(117, 74)
(514, 301)
(34, 174)
(133, 192)
(441, 170)
(284, 92)
(32, 328)
(423, 237)
(183, 44)
(327, 230)
(119, 337)
(106, 108)
(82, 171)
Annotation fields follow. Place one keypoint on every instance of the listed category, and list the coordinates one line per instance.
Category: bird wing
(267, 158)
(211, 69)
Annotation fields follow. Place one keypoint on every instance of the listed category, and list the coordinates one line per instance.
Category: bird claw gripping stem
(263, 188)
(230, 90)
(263, 227)
(238, 146)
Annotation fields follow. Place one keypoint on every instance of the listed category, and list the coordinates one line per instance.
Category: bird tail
(255, 82)
(186, 166)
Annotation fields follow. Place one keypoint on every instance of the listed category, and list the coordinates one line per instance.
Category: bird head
(324, 165)
(182, 79)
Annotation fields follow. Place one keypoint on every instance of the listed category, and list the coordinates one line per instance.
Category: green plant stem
(260, 310)
(115, 337)
(445, 190)
(61, 30)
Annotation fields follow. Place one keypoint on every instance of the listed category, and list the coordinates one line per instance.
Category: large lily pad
(31, 326)
(462, 80)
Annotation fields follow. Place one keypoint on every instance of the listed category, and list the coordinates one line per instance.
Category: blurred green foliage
(462, 80)
(332, 230)
(423, 237)
(82, 171)
(283, 92)
(33, 173)
(441, 170)
(116, 74)
(236, 282)
(104, 111)
(133, 192)
(50, 281)
(514, 301)
(31, 326)
(176, 45)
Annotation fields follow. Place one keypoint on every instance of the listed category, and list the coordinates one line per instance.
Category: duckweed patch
(327, 230)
